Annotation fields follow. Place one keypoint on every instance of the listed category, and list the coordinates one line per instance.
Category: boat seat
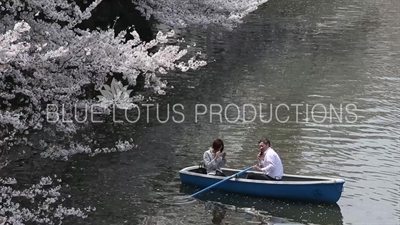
(201, 170)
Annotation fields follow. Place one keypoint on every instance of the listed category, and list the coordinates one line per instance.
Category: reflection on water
(217, 207)
(271, 211)
(311, 52)
(303, 52)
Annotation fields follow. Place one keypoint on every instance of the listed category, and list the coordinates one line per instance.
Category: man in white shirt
(269, 163)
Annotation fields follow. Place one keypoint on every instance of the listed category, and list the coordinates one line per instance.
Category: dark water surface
(287, 52)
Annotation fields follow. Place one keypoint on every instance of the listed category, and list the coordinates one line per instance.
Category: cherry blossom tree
(44, 63)
(45, 60)
(44, 201)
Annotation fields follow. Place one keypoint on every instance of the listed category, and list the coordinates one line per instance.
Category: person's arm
(270, 164)
(260, 158)
(222, 161)
(209, 162)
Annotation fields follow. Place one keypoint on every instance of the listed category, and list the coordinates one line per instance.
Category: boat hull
(291, 187)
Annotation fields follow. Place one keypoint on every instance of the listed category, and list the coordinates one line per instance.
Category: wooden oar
(220, 182)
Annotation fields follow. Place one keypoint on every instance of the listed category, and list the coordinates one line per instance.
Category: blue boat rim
(312, 179)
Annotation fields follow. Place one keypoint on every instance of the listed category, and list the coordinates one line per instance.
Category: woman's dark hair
(218, 143)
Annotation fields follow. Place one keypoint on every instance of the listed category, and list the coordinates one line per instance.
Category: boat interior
(202, 170)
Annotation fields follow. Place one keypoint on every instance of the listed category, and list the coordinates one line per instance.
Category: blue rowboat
(291, 187)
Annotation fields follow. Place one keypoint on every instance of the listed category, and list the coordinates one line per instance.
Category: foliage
(46, 63)
(43, 200)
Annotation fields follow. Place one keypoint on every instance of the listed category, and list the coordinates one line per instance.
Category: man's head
(264, 144)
